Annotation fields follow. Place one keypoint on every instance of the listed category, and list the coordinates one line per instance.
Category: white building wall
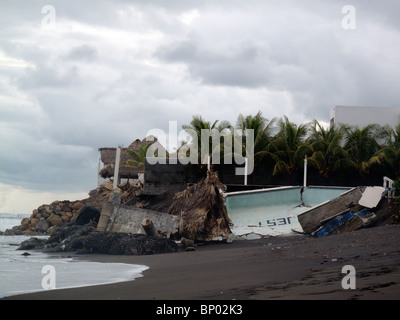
(362, 116)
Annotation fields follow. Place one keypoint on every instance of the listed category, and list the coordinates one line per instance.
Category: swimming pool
(271, 212)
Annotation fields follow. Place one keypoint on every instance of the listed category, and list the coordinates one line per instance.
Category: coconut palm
(288, 148)
(390, 153)
(262, 131)
(328, 154)
(362, 146)
(195, 128)
(138, 157)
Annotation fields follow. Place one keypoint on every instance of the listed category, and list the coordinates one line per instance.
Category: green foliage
(137, 157)
(283, 145)
(397, 186)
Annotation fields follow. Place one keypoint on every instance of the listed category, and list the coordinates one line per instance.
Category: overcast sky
(80, 75)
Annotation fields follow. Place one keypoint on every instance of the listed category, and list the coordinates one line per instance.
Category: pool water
(271, 212)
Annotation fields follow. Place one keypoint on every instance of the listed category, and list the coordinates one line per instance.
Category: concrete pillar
(106, 212)
(116, 168)
(305, 172)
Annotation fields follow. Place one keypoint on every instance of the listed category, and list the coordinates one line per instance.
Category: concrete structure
(362, 116)
(120, 218)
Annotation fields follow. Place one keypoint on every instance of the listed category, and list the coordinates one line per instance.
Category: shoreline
(295, 267)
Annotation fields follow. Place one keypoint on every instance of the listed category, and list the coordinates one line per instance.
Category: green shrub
(397, 186)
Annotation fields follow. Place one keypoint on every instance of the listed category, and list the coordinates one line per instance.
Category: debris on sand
(202, 212)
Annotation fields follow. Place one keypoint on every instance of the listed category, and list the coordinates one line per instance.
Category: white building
(362, 116)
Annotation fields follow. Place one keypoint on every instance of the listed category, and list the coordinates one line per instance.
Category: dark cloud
(112, 70)
(245, 66)
(43, 76)
(84, 52)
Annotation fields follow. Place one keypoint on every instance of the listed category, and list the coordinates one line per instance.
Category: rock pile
(85, 239)
(48, 217)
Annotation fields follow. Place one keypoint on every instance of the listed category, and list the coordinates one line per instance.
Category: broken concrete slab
(126, 219)
(371, 197)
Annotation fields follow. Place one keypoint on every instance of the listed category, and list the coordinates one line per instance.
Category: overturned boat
(274, 211)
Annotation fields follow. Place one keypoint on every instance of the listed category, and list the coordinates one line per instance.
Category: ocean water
(43, 271)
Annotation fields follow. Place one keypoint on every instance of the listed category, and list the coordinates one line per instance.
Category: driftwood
(149, 228)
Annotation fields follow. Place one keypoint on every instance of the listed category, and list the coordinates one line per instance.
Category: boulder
(115, 243)
(33, 223)
(55, 220)
(77, 205)
(52, 229)
(25, 223)
(85, 239)
(66, 208)
(42, 225)
(32, 243)
(34, 213)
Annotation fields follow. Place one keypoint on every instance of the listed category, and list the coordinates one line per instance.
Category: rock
(46, 210)
(127, 244)
(66, 208)
(69, 237)
(34, 213)
(33, 223)
(55, 220)
(85, 239)
(32, 243)
(52, 229)
(187, 243)
(16, 230)
(77, 205)
(42, 225)
(30, 232)
(25, 254)
(87, 214)
(56, 209)
(25, 223)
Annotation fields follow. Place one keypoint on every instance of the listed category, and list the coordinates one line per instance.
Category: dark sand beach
(296, 267)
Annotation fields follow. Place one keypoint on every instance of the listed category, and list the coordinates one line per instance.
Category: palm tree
(362, 146)
(328, 154)
(137, 156)
(262, 129)
(390, 153)
(195, 128)
(288, 148)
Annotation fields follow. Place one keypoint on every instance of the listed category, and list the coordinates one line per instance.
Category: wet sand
(296, 267)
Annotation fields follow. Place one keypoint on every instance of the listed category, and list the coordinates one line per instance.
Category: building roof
(107, 156)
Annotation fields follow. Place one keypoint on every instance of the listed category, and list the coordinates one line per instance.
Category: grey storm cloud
(84, 52)
(113, 70)
(245, 66)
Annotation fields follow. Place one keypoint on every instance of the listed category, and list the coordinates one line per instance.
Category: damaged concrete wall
(128, 219)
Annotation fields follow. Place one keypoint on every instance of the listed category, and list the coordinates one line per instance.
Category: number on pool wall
(278, 222)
